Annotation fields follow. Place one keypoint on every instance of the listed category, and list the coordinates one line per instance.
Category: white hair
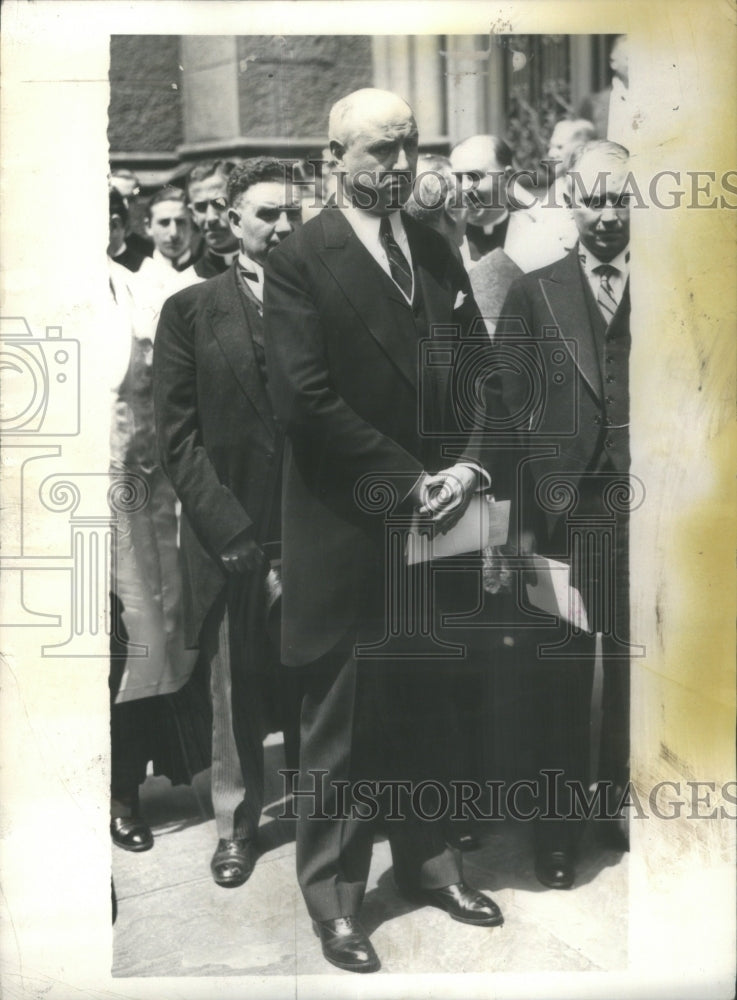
(342, 111)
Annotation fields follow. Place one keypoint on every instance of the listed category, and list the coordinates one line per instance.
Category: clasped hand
(445, 495)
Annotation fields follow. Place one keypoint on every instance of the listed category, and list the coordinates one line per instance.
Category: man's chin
(218, 245)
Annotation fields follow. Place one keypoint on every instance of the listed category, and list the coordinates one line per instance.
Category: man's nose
(283, 224)
(211, 213)
(609, 215)
(401, 162)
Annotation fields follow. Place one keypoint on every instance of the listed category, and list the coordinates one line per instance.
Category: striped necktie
(605, 300)
(398, 263)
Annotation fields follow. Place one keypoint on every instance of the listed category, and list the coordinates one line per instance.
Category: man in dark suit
(220, 446)
(570, 320)
(348, 300)
(206, 187)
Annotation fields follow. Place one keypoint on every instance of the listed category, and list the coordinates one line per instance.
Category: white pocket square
(460, 299)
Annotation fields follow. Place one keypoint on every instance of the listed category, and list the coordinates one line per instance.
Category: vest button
(609, 359)
(610, 379)
(597, 420)
(609, 400)
(608, 443)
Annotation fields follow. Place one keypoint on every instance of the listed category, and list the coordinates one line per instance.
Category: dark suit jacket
(217, 436)
(555, 387)
(342, 349)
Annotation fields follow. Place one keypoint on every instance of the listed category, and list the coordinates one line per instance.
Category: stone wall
(145, 93)
(286, 85)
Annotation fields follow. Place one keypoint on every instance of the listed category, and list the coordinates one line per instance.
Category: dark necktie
(398, 263)
(251, 275)
(605, 299)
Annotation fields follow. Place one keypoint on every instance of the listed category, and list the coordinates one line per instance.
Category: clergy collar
(489, 228)
(227, 258)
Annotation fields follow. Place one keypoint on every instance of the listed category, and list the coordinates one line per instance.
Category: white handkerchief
(460, 299)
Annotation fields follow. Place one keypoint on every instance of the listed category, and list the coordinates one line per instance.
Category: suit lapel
(564, 294)
(231, 318)
(370, 291)
(430, 275)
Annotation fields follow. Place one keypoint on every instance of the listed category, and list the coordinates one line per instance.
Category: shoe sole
(490, 922)
(136, 848)
(483, 922)
(233, 883)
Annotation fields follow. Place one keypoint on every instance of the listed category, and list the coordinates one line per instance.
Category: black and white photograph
(368, 474)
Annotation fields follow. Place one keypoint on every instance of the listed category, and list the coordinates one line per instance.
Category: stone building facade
(175, 99)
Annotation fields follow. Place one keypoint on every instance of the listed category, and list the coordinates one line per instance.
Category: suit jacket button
(597, 420)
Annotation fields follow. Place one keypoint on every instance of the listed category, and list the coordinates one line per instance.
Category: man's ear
(337, 151)
(234, 221)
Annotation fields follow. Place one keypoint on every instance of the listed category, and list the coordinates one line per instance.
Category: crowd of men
(300, 427)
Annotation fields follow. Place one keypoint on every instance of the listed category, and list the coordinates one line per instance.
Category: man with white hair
(348, 299)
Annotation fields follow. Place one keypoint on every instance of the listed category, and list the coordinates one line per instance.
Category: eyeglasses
(219, 204)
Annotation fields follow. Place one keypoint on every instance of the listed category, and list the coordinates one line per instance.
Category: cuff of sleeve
(484, 479)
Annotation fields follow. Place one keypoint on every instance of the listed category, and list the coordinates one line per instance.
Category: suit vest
(613, 344)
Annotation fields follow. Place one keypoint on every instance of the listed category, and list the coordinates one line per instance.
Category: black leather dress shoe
(462, 903)
(345, 944)
(131, 833)
(232, 862)
(555, 868)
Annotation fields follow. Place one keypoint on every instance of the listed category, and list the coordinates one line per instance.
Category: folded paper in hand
(553, 592)
(485, 522)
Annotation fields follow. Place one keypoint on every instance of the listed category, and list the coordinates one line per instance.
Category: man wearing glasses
(220, 447)
(206, 191)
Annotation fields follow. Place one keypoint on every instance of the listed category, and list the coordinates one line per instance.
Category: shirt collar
(589, 261)
(250, 265)
(366, 226)
(158, 256)
(120, 251)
